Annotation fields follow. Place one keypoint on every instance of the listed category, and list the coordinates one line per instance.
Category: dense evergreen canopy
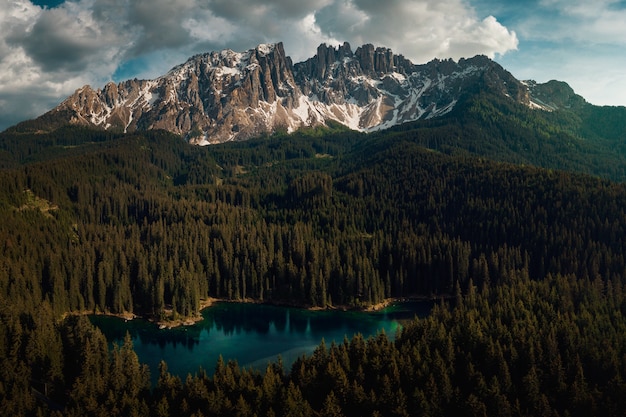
(490, 209)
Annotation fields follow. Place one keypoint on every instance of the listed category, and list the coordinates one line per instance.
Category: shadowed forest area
(527, 239)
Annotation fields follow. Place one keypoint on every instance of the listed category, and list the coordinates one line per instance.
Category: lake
(252, 334)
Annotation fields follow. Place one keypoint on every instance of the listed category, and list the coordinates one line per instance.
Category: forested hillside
(138, 223)
(146, 224)
(587, 139)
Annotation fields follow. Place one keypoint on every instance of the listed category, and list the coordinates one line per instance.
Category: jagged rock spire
(227, 95)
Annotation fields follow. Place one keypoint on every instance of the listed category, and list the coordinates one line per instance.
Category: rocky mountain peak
(375, 61)
(554, 95)
(227, 95)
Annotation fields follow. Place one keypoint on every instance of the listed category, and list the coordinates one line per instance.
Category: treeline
(127, 227)
(587, 140)
(553, 347)
(149, 225)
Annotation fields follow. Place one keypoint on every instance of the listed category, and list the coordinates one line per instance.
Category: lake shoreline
(254, 333)
(173, 323)
(207, 303)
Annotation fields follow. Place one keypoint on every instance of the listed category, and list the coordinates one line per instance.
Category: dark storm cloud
(54, 44)
(159, 24)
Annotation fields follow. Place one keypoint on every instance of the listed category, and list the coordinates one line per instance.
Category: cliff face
(226, 95)
(221, 96)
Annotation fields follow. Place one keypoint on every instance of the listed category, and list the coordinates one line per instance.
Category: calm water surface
(252, 334)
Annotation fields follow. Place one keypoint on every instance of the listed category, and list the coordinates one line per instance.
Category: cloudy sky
(49, 48)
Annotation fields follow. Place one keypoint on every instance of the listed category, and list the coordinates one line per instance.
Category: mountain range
(224, 96)
(371, 179)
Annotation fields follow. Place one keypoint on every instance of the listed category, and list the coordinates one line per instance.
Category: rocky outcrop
(227, 95)
(554, 95)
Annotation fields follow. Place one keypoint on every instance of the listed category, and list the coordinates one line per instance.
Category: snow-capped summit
(226, 95)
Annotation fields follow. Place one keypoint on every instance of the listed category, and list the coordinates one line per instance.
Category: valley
(517, 215)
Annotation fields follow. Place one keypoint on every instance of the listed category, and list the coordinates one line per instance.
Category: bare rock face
(227, 95)
(554, 95)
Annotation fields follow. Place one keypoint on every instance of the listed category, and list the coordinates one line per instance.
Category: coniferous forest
(519, 230)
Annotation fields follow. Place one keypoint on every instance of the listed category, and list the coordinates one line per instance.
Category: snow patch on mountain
(227, 95)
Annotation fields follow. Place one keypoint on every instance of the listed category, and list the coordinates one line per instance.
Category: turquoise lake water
(251, 334)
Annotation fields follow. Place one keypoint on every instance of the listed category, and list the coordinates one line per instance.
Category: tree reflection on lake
(252, 334)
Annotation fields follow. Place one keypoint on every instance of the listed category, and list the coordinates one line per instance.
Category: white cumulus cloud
(47, 53)
(419, 29)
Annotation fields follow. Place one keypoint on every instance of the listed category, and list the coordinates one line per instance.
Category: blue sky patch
(48, 3)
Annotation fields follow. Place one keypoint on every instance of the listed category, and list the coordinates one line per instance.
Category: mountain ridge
(222, 96)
